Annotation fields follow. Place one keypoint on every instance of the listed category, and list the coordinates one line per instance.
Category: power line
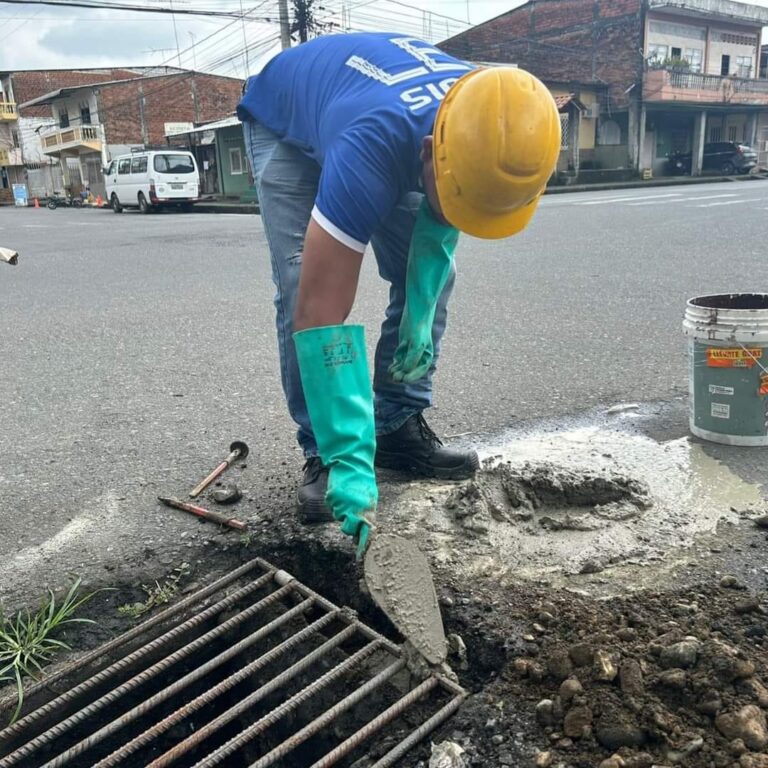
(127, 7)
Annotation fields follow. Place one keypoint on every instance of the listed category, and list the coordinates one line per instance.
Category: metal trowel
(400, 581)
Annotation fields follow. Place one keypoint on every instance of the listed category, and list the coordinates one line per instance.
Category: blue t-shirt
(360, 105)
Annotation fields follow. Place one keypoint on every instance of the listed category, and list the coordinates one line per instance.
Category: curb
(672, 181)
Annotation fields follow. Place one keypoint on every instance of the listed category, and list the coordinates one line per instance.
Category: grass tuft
(27, 642)
(159, 594)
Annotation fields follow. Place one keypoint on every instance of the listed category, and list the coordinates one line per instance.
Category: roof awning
(225, 123)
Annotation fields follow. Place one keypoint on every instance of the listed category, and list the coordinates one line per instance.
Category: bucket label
(721, 411)
(716, 389)
(763, 384)
(728, 357)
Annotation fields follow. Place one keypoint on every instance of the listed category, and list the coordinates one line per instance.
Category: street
(136, 348)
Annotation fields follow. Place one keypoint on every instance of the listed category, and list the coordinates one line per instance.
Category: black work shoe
(311, 505)
(416, 448)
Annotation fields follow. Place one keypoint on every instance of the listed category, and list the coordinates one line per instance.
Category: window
(174, 163)
(694, 58)
(744, 66)
(235, 161)
(732, 133)
(124, 166)
(63, 119)
(608, 133)
(15, 138)
(139, 164)
(676, 53)
(725, 65)
(715, 133)
(657, 53)
(111, 168)
(564, 124)
(85, 115)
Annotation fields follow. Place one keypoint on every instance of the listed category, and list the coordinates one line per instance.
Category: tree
(304, 21)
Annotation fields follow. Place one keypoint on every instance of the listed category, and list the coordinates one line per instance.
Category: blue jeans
(287, 182)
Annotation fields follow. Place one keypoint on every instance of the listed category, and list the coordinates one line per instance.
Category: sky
(39, 36)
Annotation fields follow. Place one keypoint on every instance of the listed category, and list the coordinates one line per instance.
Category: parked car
(150, 179)
(726, 157)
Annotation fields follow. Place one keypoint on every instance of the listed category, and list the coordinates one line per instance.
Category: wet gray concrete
(135, 349)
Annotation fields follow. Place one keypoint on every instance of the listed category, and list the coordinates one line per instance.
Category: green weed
(27, 642)
(159, 594)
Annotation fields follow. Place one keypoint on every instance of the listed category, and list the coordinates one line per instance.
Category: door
(725, 65)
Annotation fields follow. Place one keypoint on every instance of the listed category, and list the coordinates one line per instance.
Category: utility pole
(245, 41)
(285, 27)
(176, 35)
(302, 14)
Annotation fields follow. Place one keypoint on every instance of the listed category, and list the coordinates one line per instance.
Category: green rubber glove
(430, 259)
(337, 390)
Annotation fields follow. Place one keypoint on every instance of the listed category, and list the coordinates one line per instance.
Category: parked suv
(726, 157)
(152, 179)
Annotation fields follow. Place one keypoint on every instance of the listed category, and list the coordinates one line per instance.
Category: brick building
(670, 75)
(83, 125)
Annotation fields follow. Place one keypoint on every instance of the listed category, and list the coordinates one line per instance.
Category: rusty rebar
(117, 667)
(378, 722)
(423, 730)
(138, 630)
(287, 706)
(317, 725)
(196, 674)
(223, 686)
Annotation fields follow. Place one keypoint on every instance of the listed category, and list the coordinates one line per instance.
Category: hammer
(238, 450)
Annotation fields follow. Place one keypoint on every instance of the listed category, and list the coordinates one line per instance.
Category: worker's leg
(287, 181)
(404, 439)
(287, 186)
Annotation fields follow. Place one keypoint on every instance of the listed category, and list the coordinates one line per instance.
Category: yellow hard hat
(496, 141)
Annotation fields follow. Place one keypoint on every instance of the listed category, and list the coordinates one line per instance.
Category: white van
(148, 179)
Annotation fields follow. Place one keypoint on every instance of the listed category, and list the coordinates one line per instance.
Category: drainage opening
(732, 301)
(254, 670)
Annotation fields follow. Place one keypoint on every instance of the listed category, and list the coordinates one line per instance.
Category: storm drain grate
(254, 670)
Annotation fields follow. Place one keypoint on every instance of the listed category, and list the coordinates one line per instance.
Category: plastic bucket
(728, 358)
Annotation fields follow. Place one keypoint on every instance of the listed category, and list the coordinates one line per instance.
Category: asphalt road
(134, 349)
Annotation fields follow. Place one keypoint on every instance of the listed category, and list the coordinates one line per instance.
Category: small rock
(755, 630)
(536, 672)
(676, 756)
(762, 521)
(591, 566)
(754, 688)
(458, 649)
(639, 760)
(612, 762)
(547, 618)
(605, 666)
(619, 733)
(731, 582)
(521, 666)
(543, 760)
(738, 747)
(581, 654)
(505, 758)
(748, 605)
(559, 665)
(710, 704)
(682, 654)
(631, 678)
(564, 743)
(673, 678)
(628, 634)
(570, 688)
(577, 721)
(753, 761)
(539, 628)
(747, 724)
(497, 739)
(545, 712)
(447, 754)
(227, 494)
(622, 408)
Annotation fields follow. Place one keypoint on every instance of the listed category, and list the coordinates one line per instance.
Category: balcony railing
(676, 85)
(8, 110)
(81, 136)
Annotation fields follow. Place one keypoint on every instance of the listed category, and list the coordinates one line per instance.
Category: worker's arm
(329, 275)
(430, 262)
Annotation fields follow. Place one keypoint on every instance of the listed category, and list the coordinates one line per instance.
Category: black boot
(416, 448)
(311, 505)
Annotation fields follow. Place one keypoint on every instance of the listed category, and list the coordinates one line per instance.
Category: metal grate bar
(304, 695)
(225, 685)
(187, 695)
(423, 730)
(137, 631)
(126, 662)
(180, 684)
(378, 722)
(151, 672)
(329, 715)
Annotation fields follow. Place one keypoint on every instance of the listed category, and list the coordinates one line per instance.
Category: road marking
(712, 197)
(728, 202)
(658, 202)
(629, 199)
(35, 226)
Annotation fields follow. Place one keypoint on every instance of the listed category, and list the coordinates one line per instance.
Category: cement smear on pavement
(575, 499)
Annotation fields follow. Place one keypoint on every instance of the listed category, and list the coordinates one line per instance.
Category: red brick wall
(586, 41)
(30, 85)
(136, 112)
